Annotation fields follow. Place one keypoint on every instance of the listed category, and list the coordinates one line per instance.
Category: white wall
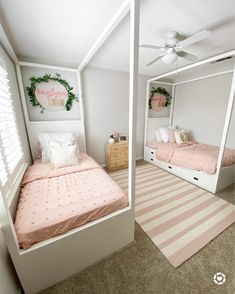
(8, 280)
(200, 108)
(106, 95)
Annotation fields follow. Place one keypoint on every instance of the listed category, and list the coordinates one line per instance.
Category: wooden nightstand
(117, 156)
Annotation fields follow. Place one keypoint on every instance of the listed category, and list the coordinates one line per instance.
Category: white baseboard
(139, 157)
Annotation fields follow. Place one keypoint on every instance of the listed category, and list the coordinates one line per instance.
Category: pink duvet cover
(53, 201)
(193, 155)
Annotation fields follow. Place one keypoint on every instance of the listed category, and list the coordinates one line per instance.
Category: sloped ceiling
(55, 31)
(61, 32)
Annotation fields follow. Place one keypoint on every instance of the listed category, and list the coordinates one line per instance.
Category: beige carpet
(179, 217)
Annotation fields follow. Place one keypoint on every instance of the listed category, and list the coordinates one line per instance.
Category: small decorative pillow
(46, 138)
(164, 134)
(181, 137)
(158, 136)
(63, 154)
(171, 133)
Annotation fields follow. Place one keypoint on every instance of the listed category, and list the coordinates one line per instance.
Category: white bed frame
(224, 176)
(51, 261)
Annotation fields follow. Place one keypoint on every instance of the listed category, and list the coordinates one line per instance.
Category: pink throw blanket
(194, 155)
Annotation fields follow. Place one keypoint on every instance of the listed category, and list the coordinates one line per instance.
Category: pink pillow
(171, 133)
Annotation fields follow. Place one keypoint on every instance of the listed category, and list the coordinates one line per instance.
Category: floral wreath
(162, 91)
(45, 79)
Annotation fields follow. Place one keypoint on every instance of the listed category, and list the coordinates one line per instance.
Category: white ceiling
(56, 31)
(61, 32)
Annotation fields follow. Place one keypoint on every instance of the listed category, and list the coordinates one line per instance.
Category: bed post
(82, 110)
(146, 114)
(172, 105)
(225, 129)
(133, 91)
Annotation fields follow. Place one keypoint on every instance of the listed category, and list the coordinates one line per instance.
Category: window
(11, 154)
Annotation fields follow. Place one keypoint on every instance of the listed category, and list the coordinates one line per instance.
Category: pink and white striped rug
(179, 217)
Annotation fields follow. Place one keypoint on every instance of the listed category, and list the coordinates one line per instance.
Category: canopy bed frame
(224, 176)
(51, 261)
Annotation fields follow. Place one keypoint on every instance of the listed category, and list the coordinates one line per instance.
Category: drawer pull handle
(151, 159)
(170, 167)
(152, 152)
(195, 178)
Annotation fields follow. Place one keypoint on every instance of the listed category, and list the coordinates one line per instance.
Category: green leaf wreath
(46, 78)
(162, 91)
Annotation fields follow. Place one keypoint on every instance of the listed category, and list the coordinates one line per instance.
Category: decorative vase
(111, 141)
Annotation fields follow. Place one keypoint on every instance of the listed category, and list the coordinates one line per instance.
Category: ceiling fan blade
(186, 55)
(150, 46)
(156, 59)
(193, 39)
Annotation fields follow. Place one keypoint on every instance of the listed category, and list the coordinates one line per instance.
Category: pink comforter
(40, 170)
(194, 156)
(55, 201)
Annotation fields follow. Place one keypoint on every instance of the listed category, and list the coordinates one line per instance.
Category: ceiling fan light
(169, 58)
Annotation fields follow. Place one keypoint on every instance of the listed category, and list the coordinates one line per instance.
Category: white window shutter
(11, 154)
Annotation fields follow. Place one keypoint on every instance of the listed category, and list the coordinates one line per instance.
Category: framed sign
(51, 93)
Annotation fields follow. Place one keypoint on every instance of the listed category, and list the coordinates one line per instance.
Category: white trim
(133, 93)
(41, 122)
(216, 57)
(114, 22)
(146, 113)
(226, 125)
(39, 65)
(18, 179)
(82, 110)
(160, 117)
(172, 104)
(204, 77)
(163, 83)
(139, 157)
(22, 94)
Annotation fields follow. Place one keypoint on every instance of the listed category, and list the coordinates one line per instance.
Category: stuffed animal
(115, 136)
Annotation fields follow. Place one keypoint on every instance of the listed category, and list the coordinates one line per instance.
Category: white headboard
(35, 128)
(153, 124)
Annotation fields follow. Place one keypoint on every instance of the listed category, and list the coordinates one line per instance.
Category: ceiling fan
(172, 48)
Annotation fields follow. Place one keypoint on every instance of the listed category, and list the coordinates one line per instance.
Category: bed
(193, 162)
(192, 155)
(54, 201)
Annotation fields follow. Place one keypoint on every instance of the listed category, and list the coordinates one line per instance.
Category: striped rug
(179, 217)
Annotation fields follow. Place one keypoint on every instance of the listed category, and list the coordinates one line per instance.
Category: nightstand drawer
(117, 156)
(119, 163)
(119, 149)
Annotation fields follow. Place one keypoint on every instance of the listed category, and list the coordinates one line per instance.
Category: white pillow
(164, 134)
(181, 137)
(158, 136)
(63, 155)
(46, 138)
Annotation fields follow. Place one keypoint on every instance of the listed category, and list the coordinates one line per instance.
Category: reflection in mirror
(106, 91)
(229, 162)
